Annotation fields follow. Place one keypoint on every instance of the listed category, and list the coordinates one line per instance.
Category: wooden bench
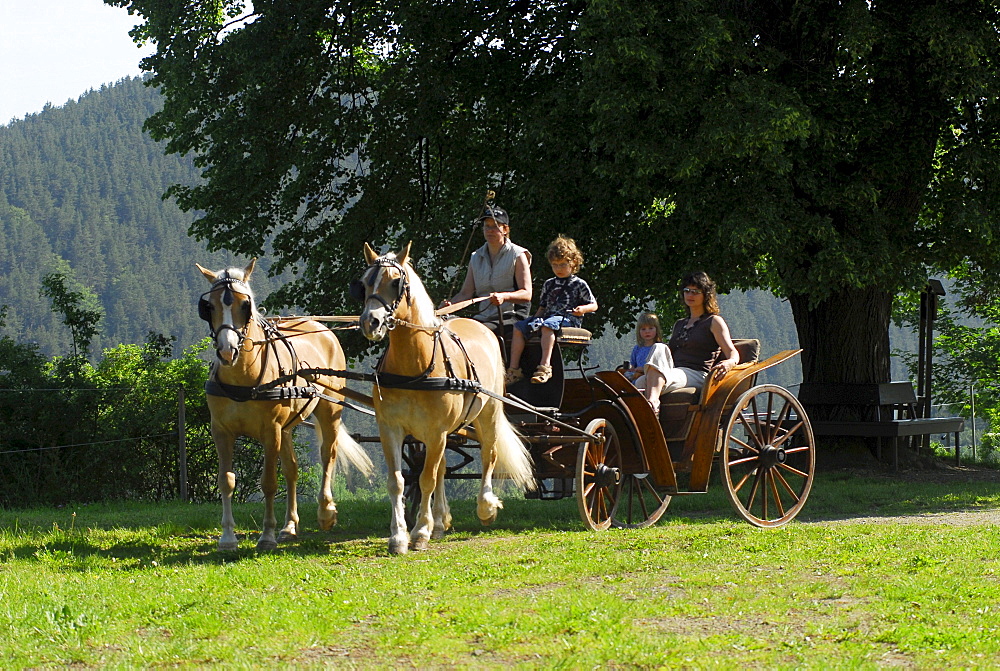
(888, 409)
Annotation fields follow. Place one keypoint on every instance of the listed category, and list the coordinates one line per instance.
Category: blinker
(357, 290)
(205, 310)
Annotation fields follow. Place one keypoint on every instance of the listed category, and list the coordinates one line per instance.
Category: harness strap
(242, 394)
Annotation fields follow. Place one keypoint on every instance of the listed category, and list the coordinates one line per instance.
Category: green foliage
(966, 366)
(78, 308)
(76, 432)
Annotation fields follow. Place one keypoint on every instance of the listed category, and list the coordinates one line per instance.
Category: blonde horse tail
(513, 459)
(349, 450)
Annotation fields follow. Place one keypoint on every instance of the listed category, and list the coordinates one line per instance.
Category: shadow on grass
(137, 536)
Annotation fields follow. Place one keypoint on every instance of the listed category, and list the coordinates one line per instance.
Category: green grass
(127, 585)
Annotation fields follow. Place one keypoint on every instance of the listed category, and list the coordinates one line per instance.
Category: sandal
(513, 375)
(542, 375)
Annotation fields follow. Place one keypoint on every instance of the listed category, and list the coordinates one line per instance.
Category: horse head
(383, 288)
(228, 307)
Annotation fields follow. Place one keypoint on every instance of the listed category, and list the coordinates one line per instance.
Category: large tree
(832, 152)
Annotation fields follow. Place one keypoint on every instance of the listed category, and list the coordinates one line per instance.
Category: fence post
(182, 444)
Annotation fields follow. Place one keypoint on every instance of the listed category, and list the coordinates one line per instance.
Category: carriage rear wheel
(768, 456)
(606, 493)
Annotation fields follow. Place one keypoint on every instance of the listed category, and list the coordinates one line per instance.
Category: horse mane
(422, 306)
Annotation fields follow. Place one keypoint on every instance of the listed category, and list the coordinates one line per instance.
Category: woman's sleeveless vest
(497, 274)
(694, 348)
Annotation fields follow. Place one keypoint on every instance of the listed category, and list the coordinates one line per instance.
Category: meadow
(877, 571)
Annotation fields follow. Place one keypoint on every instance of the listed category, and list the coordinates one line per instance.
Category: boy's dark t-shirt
(561, 294)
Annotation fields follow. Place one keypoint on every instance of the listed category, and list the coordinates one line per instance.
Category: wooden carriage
(625, 464)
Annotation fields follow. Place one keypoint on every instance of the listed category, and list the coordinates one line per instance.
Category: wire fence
(86, 444)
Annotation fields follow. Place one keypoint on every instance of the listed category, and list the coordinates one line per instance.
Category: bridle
(364, 291)
(229, 285)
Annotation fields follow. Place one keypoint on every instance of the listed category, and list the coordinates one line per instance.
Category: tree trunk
(844, 339)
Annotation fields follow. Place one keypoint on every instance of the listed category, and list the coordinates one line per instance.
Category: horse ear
(405, 254)
(207, 273)
(249, 269)
(370, 254)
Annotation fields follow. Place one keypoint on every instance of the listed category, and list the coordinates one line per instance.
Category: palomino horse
(428, 385)
(249, 352)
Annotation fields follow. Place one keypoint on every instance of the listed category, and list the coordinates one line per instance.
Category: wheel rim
(598, 476)
(640, 502)
(769, 456)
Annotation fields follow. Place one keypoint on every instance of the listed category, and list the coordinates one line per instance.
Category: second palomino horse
(426, 386)
(251, 351)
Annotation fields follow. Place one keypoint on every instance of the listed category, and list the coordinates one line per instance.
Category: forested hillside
(80, 190)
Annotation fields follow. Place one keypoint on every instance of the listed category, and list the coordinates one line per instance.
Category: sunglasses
(695, 292)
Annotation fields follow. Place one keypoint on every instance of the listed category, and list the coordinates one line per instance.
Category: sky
(52, 51)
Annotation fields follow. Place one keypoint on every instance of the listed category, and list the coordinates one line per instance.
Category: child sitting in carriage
(565, 299)
(649, 350)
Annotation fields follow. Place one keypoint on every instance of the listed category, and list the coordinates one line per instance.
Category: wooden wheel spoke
(753, 492)
(770, 413)
(648, 486)
(738, 486)
(781, 478)
(777, 495)
(785, 435)
(792, 469)
(796, 450)
(775, 426)
(744, 460)
(744, 444)
(752, 430)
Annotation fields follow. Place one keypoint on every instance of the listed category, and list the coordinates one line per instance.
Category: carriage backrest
(749, 351)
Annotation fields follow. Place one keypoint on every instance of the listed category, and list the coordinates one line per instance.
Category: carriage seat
(577, 337)
(676, 405)
(568, 335)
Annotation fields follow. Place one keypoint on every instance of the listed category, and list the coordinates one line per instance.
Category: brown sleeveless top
(694, 347)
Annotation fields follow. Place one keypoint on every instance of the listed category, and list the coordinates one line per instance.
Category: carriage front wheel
(607, 492)
(768, 456)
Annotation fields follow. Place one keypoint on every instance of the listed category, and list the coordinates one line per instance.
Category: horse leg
(224, 445)
(488, 504)
(290, 469)
(269, 486)
(392, 448)
(442, 512)
(326, 430)
(433, 463)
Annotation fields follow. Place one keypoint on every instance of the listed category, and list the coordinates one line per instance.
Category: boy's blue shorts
(555, 322)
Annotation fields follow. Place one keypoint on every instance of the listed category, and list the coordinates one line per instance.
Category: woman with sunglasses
(700, 344)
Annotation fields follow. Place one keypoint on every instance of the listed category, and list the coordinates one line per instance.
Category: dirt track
(943, 474)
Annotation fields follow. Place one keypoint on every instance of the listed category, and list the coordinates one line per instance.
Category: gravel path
(944, 474)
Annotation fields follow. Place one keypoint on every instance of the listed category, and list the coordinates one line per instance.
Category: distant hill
(83, 183)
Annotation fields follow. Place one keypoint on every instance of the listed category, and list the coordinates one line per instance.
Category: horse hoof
(398, 547)
(286, 536)
(437, 534)
(420, 544)
(229, 546)
(489, 520)
(325, 524)
(266, 546)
